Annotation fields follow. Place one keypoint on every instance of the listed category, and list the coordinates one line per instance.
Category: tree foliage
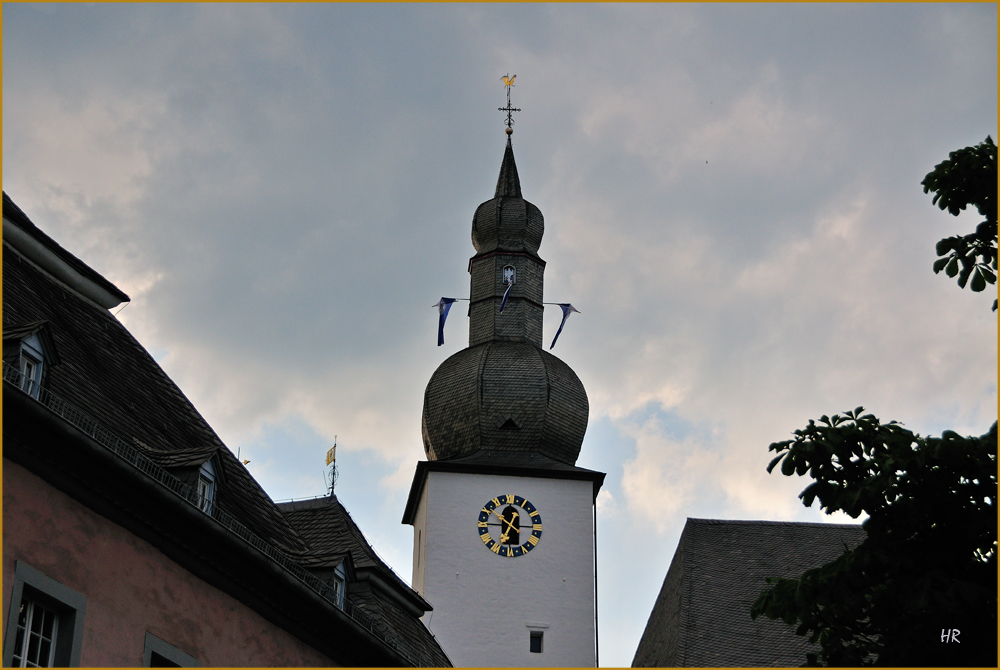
(968, 177)
(928, 561)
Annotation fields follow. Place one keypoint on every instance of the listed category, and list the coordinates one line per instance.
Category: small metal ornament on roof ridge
(508, 82)
(331, 460)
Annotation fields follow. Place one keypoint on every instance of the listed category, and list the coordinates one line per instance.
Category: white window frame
(26, 654)
(39, 591)
(339, 584)
(32, 365)
(206, 487)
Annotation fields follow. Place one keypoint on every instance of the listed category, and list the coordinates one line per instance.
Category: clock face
(509, 525)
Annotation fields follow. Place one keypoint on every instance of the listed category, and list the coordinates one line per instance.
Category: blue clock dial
(509, 525)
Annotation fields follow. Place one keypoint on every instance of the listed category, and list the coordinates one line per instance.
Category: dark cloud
(731, 195)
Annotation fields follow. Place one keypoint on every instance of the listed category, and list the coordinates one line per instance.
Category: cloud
(285, 190)
(660, 483)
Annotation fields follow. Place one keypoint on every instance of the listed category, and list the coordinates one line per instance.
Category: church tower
(503, 519)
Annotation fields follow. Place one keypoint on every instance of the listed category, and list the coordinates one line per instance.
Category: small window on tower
(535, 642)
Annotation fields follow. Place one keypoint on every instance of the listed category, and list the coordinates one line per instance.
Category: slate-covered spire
(507, 222)
(505, 393)
(508, 185)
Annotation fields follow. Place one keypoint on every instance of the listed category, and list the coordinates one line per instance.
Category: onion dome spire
(504, 398)
(508, 185)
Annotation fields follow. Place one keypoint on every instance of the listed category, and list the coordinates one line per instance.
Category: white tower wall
(486, 605)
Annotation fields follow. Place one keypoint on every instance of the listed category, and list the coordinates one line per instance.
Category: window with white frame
(339, 584)
(206, 487)
(31, 365)
(45, 626)
(37, 626)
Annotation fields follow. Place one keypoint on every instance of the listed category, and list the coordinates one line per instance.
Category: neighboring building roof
(701, 617)
(109, 391)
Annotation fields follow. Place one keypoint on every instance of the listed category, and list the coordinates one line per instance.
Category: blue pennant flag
(443, 305)
(503, 303)
(566, 309)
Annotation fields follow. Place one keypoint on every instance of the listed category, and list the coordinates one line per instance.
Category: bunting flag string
(567, 309)
(444, 306)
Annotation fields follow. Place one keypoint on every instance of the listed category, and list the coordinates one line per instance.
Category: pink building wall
(131, 587)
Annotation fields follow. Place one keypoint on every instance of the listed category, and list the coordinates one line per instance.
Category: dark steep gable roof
(109, 375)
(13, 213)
(701, 617)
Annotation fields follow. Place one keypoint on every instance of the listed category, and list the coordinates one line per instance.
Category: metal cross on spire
(508, 81)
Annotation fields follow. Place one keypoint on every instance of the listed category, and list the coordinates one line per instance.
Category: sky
(731, 196)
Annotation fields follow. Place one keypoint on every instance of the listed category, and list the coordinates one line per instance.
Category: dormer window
(339, 584)
(32, 361)
(29, 348)
(206, 487)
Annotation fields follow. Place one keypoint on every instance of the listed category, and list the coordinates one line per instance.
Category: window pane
(158, 661)
(44, 651)
(49, 620)
(31, 657)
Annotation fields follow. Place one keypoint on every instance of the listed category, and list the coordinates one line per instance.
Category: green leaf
(963, 276)
(978, 282)
(952, 268)
(939, 264)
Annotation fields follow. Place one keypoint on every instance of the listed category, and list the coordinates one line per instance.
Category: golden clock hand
(503, 535)
(510, 527)
(502, 520)
(510, 524)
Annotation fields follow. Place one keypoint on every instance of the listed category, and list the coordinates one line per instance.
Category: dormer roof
(38, 329)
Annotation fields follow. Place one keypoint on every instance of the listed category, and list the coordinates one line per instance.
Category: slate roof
(701, 617)
(504, 397)
(108, 375)
(106, 372)
(331, 533)
(507, 222)
(504, 393)
(13, 212)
